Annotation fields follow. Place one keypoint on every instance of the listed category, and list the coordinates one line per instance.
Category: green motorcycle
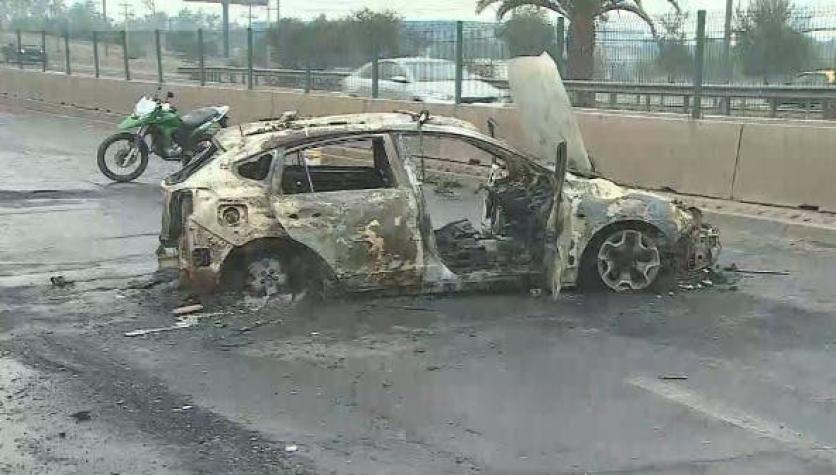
(155, 127)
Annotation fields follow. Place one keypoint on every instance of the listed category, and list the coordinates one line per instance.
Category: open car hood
(545, 110)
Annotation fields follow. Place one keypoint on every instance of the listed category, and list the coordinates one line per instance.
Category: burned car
(347, 203)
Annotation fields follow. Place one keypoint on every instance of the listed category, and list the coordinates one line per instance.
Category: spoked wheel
(266, 276)
(121, 158)
(629, 259)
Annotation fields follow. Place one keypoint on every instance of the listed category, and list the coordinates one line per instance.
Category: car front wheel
(628, 259)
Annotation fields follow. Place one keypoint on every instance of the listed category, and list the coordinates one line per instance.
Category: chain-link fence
(440, 61)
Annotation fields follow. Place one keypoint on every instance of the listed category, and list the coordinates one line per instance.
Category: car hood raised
(545, 110)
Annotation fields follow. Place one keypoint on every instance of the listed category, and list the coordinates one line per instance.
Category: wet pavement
(711, 381)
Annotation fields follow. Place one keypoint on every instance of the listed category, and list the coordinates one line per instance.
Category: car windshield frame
(195, 164)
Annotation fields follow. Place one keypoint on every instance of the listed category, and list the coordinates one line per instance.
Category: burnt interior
(494, 221)
(511, 234)
(359, 164)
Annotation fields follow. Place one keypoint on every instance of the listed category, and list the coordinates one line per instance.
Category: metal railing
(618, 94)
(195, 55)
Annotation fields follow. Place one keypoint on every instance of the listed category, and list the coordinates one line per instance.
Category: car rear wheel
(627, 259)
(267, 276)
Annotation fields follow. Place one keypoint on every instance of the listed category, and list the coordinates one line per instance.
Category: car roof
(290, 130)
(289, 127)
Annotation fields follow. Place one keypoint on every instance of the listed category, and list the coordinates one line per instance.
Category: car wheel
(266, 276)
(629, 259)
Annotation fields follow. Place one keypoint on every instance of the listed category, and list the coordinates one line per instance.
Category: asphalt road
(459, 384)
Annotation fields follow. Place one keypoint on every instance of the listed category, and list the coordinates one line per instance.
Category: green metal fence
(440, 61)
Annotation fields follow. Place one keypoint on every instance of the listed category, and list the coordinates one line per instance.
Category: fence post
(201, 61)
(375, 70)
(19, 47)
(249, 58)
(160, 79)
(560, 38)
(43, 50)
(308, 75)
(96, 53)
(459, 60)
(125, 55)
(225, 20)
(67, 50)
(727, 62)
(696, 108)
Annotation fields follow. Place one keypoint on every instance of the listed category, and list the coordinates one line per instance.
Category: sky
(409, 9)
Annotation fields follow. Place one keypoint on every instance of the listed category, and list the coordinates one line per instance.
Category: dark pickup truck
(27, 54)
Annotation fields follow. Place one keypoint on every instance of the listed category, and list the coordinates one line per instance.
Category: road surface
(712, 381)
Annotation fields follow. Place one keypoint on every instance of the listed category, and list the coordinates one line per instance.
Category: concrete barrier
(767, 161)
(687, 156)
(789, 165)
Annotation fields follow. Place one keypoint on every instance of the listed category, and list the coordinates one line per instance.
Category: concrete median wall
(764, 161)
(789, 165)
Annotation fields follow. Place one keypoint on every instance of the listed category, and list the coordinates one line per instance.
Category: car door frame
(370, 238)
(555, 239)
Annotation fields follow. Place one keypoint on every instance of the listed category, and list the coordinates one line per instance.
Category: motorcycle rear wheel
(115, 139)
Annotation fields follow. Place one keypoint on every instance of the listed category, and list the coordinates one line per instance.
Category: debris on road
(187, 309)
(291, 448)
(60, 281)
(81, 416)
(673, 377)
(183, 321)
(734, 268)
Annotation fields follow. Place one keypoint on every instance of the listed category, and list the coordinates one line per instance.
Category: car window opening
(256, 169)
(357, 164)
(488, 213)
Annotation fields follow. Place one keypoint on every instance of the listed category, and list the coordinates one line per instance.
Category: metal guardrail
(773, 96)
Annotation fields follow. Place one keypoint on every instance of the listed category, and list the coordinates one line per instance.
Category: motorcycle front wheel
(121, 159)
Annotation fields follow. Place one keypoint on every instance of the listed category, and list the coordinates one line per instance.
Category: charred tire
(626, 258)
(113, 140)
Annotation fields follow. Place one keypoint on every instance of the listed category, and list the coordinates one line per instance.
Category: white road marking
(718, 410)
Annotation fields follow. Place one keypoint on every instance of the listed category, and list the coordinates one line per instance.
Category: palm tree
(582, 15)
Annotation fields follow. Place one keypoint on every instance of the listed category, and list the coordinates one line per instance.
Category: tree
(343, 42)
(377, 30)
(768, 44)
(84, 17)
(674, 58)
(582, 16)
(33, 14)
(527, 32)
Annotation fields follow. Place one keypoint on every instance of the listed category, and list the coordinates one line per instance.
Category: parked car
(28, 54)
(820, 78)
(421, 79)
(339, 203)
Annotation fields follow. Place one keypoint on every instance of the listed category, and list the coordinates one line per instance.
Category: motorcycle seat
(199, 116)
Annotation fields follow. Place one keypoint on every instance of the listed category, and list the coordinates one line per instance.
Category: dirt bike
(156, 127)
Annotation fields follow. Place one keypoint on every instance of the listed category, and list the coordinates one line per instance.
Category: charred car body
(346, 203)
